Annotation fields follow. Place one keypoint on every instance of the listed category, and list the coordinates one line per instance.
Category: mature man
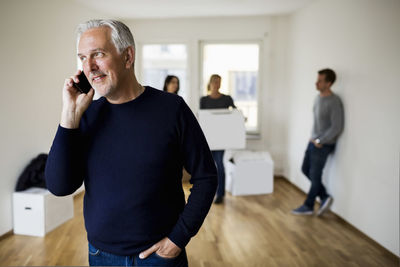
(328, 124)
(129, 148)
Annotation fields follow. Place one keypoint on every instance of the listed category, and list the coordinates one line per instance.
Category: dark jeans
(313, 165)
(101, 258)
(218, 156)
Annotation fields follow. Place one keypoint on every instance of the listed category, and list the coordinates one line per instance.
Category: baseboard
(364, 236)
(7, 234)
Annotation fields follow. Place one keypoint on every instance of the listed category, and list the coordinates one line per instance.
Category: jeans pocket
(163, 258)
(93, 251)
(156, 260)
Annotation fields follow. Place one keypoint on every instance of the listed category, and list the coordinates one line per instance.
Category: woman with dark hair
(213, 101)
(171, 84)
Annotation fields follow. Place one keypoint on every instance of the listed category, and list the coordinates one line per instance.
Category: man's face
(321, 83)
(102, 64)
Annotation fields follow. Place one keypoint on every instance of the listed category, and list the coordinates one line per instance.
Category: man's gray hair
(121, 36)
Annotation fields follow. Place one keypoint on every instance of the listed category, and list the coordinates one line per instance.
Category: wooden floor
(245, 231)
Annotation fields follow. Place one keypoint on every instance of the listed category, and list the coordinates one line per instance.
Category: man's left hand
(164, 248)
(317, 145)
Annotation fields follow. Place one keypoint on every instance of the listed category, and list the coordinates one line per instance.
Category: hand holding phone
(77, 96)
(83, 86)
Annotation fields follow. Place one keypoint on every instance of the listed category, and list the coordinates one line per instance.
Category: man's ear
(129, 57)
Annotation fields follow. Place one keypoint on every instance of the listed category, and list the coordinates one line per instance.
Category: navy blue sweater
(130, 157)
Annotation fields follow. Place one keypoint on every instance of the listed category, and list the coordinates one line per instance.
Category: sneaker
(219, 200)
(325, 205)
(303, 210)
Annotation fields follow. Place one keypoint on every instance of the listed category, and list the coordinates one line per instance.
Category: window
(238, 66)
(160, 60)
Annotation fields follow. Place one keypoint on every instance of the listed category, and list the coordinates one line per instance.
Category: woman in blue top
(216, 100)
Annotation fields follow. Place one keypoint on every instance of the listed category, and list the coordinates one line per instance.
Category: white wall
(37, 53)
(360, 40)
(195, 30)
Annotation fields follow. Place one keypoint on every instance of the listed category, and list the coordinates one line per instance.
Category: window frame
(139, 63)
(202, 43)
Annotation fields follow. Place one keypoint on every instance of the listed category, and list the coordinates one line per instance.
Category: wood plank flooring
(244, 231)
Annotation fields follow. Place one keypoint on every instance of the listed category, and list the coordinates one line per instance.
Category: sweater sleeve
(337, 123)
(65, 165)
(199, 163)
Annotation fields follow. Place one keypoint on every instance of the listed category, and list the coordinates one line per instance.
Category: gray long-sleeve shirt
(328, 119)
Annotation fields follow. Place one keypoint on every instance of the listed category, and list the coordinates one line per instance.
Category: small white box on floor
(37, 211)
(250, 173)
(223, 128)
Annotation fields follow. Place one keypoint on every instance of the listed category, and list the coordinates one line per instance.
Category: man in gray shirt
(328, 124)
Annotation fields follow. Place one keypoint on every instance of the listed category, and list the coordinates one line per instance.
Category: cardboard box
(250, 173)
(37, 211)
(223, 128)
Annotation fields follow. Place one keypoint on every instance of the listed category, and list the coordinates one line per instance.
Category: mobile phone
(83, 86)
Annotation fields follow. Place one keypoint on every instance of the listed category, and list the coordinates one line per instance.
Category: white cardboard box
(223, 128)
(37, 211)
(251, 173)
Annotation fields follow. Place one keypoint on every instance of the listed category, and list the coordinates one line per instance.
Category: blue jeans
(313, 165)
(101, 258)
(218, 156)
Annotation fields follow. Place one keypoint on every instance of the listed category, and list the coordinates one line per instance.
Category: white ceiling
(139, 9)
